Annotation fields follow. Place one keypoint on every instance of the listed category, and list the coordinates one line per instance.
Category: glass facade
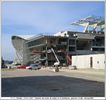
(36, 42)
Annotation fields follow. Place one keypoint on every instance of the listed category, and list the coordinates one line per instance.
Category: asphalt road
(45, 82)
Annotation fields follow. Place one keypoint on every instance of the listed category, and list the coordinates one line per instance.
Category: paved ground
(45, 82)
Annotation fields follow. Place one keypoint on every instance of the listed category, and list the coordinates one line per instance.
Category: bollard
(56, 69)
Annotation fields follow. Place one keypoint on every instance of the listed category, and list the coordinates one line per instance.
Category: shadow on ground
(44, 86)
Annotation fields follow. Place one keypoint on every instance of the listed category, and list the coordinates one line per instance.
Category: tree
(2, 63)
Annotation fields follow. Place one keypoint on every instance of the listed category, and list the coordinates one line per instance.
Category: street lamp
(75, 35)
(46, 63)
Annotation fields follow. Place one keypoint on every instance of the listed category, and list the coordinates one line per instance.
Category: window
(35, 42)
(71, 42)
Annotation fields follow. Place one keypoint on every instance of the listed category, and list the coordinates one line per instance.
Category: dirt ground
(46, 82)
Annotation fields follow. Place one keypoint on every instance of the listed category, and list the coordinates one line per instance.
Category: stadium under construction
(60, 47)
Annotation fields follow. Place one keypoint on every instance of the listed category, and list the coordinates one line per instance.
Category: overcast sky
(32, 18)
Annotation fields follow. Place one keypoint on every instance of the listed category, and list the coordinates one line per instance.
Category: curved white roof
(26, 37)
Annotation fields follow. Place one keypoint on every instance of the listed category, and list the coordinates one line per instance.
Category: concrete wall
(83, 61)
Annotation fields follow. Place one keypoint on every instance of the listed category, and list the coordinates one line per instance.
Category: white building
(96, 61)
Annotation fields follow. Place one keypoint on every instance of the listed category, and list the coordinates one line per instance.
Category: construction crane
(57, 63)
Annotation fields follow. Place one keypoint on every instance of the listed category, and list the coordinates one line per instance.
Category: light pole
(46, 63)
(75, 35)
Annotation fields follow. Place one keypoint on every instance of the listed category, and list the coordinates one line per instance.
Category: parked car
(13, 65)
(21, 66)
(34, 66)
